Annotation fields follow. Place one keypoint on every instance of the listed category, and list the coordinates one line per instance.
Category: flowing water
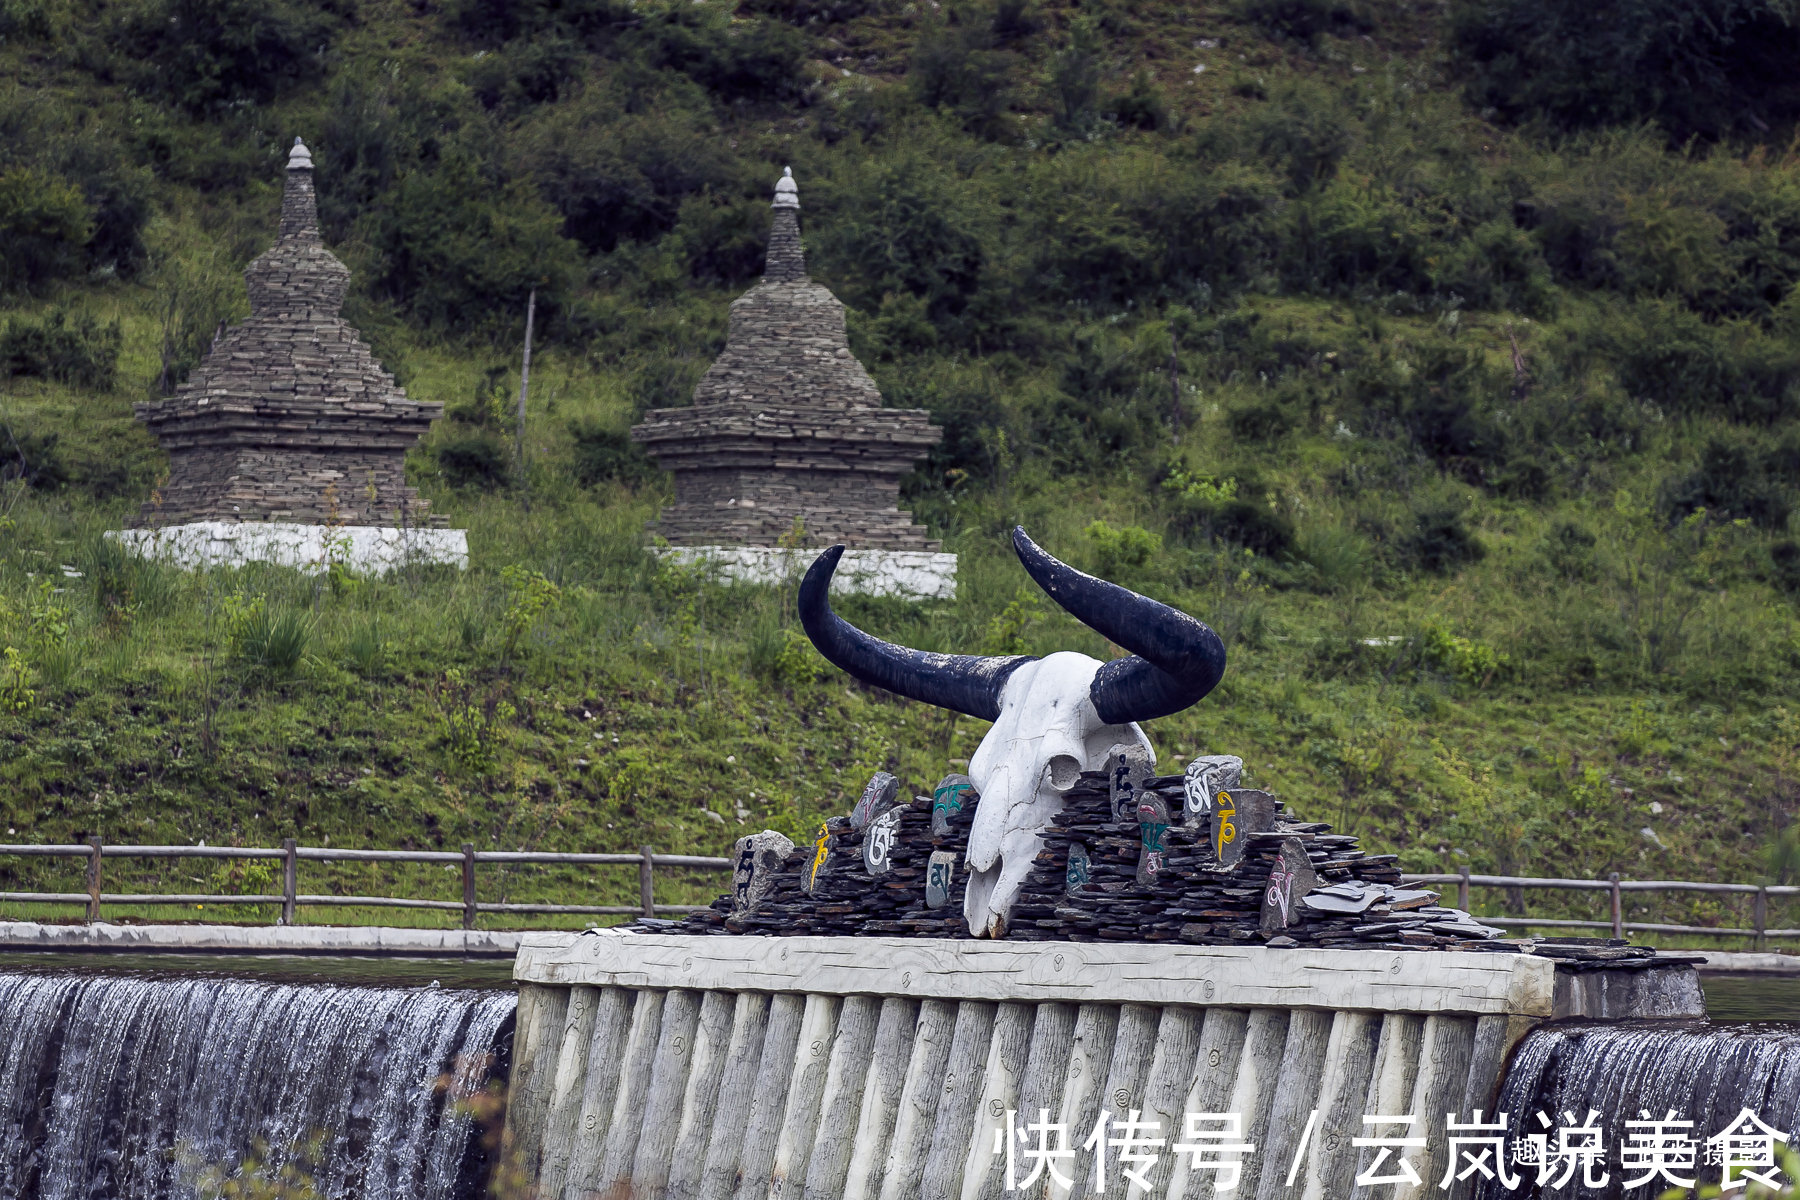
(1701, 1071)
(131, 1085)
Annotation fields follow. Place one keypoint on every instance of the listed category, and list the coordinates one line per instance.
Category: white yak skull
(1053, 717)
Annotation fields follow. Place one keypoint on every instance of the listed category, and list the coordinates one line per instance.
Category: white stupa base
(365, 549)
(908, 574)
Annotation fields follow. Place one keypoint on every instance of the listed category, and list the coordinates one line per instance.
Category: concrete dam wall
(650, 1066)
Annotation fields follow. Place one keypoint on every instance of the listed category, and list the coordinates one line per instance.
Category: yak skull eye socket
(1064, 769)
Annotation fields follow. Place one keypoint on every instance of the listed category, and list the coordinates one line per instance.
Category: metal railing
(291, 855)
(1616, 889)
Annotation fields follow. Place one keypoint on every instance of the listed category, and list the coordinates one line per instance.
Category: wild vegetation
(1446, 360)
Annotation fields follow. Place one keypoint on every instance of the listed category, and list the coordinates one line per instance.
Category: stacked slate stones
(1196, 899)
(846, 898)
(786, 426)
(289, 417)
(1191, 897)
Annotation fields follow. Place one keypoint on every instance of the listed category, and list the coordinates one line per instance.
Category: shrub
(1118, 550)
(32, 457)
(77, 350)
(1695, 67)
(206, 55)
(473, 459)
(1303, 20)
(1262, 422)
(461, 254)
(603, 453)
(1439, 541)
(45, 224)
(1729, 481)
(1468, 661)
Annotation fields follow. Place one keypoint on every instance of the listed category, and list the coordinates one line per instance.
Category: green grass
(1411, 404)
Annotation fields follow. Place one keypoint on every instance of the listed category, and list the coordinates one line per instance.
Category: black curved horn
(1175, 660)
(968, 683)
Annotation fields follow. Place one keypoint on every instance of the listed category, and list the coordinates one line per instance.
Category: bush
(1706, 68)
(1119, 550)
(473, 459)
(78, 351)
(1729, 481)
(603, 453)
(45, 224)
(32, 457)
(1439, 541)
(207, 55)
(1304, 20)
(461, 254)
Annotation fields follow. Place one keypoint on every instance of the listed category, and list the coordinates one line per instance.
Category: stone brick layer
(289, 417)
(786, 425)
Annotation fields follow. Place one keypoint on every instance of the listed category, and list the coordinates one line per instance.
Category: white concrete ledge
(1745, 962)
(1436, 981)
(264, 939)
(908, 574)
(365, 549)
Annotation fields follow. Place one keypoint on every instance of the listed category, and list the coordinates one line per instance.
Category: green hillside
(1446, 360)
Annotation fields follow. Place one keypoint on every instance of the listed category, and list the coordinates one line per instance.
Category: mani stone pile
(289, 417)
(1114, 866)
(786, 427)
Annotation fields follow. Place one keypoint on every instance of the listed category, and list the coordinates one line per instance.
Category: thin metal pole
(468, 885)
(524, 387)
(1462, 890)
(1762, 915)
(647, 883)
(290, 878)
(1618, 906)
(93, 880)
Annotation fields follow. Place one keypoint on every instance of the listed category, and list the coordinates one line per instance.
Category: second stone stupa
(787, 445)
(287, 443)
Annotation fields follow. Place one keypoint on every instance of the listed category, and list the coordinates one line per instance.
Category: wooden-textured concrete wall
(791, 1071)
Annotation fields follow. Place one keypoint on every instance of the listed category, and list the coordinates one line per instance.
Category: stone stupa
(787, 445)
(289, 434)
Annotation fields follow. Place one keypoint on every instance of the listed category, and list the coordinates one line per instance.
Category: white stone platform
(354, 941)
(908, 574)
(371, 550)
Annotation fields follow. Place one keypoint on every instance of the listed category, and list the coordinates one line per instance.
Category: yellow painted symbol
(1227, 832)
(821, 851)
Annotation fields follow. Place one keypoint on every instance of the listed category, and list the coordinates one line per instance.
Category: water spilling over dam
(118, 1086)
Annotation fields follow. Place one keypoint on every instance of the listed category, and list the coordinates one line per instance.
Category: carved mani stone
(879, 838)
(1207, 775)
(948, 799)
(756, 861)
(786, 426)
(1081, 868)
(877, 796)
(820, 862)
(1289, 880)
(940, 874)
(1131, 773)
(1236, 813)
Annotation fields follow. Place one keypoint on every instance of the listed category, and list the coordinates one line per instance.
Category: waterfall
(116, 1086)
(1706, 1073)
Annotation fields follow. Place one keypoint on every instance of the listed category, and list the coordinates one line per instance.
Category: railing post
(93, 880)
(468, 885)
(1762, 916)
(1618, 907)
(1462, 890)
(290, 878)
(647, 882)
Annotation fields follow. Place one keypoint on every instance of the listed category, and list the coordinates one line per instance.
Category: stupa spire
(786, 262)
(297, 274)
(299, 206)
